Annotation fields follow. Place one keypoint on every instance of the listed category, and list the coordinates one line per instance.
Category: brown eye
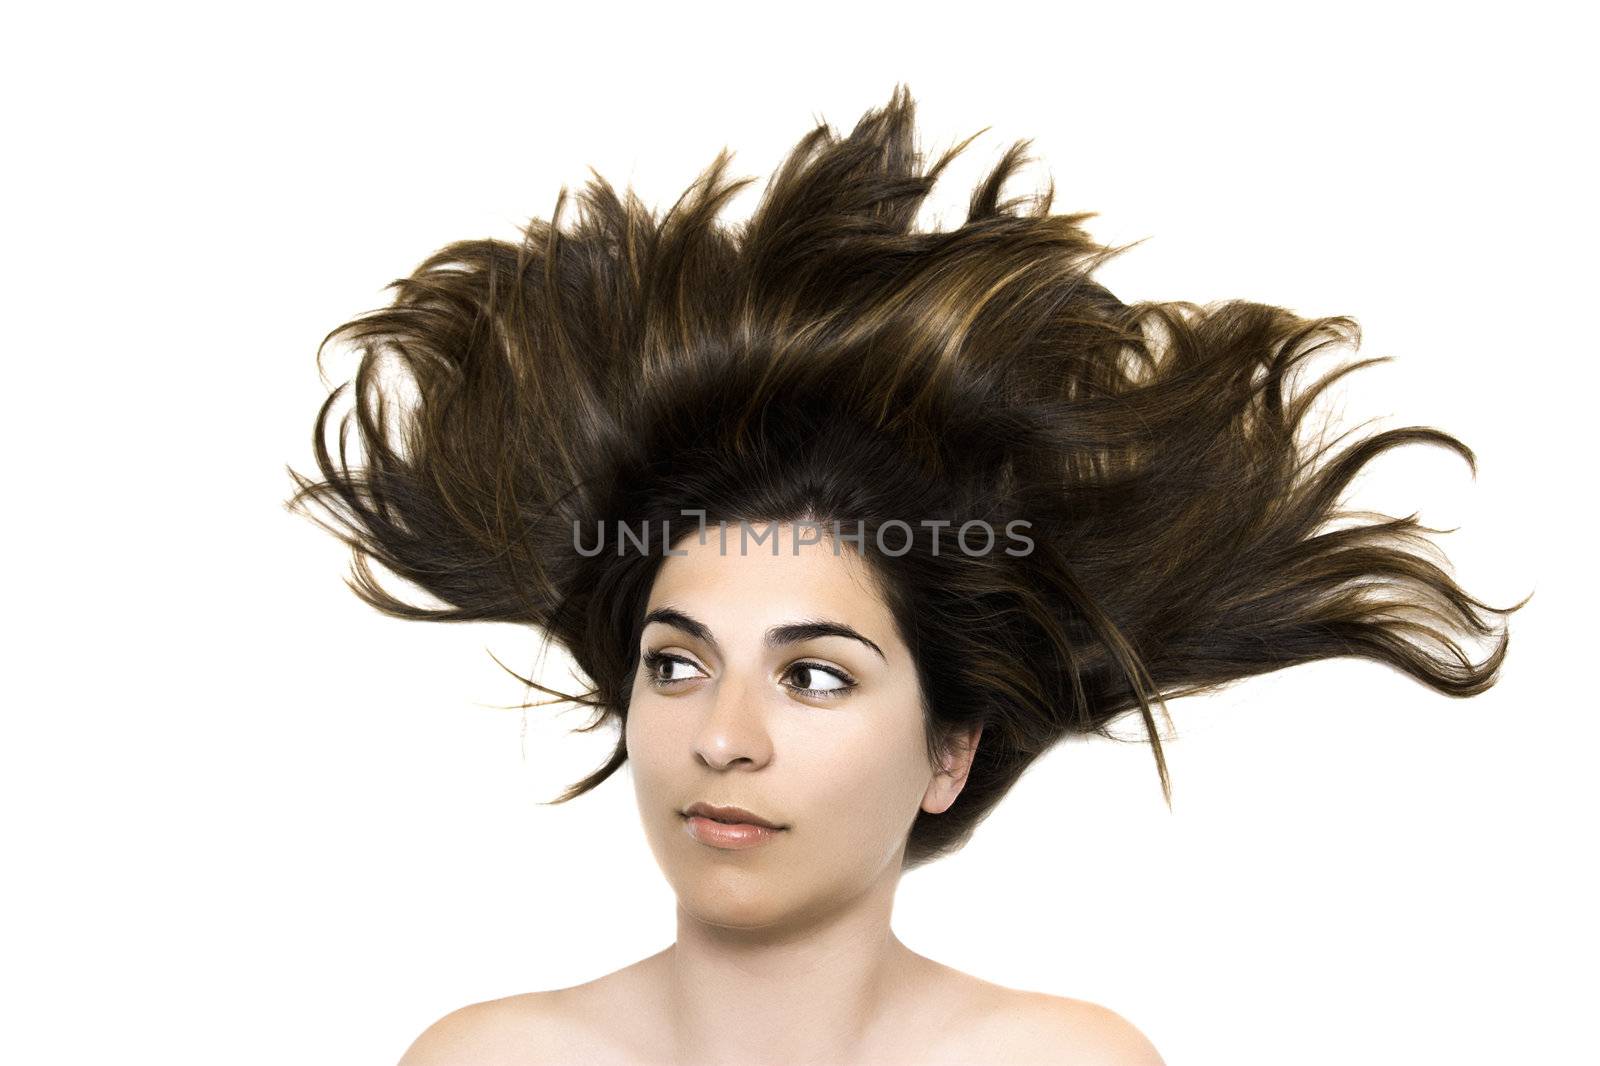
(653, 661)
(814, 672)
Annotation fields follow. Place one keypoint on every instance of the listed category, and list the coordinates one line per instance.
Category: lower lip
(725, 835)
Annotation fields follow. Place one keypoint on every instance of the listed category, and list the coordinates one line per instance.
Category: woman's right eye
(654, 661)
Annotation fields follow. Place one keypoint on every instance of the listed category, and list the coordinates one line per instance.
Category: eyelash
(652, 660)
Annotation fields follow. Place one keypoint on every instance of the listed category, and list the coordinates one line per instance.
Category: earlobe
(952, 776)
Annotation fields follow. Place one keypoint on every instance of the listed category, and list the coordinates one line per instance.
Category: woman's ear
(948, 781)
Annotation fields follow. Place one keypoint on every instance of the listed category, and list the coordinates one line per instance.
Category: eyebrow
(778, 636)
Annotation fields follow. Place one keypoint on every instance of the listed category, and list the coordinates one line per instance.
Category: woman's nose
(735, 723)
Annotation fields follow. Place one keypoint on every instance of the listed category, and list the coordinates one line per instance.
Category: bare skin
(784, 952)
(949, 1019)
(940, 1016)
(930, 1007)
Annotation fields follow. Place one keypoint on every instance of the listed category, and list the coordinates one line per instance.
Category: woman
(846, 524)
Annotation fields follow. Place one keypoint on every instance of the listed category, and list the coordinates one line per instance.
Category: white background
(250, 820)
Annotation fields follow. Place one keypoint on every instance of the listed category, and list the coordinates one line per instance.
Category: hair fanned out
(828, 361)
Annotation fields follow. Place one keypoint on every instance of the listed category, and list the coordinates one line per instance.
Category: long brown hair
(828, 361)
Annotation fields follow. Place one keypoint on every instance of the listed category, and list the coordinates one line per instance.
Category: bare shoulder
(995, 1023)
(1076, 1032)
(522, 1030)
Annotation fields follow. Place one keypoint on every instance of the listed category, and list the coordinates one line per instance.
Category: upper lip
(730, 814)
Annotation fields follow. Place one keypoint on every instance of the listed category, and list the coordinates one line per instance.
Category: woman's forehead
(758, 586)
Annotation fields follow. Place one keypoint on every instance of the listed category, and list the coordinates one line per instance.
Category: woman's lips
(729, 815)
(729, 837)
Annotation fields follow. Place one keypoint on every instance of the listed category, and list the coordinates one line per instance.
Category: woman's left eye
(813, 671)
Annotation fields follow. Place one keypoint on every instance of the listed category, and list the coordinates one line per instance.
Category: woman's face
(725, 717)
